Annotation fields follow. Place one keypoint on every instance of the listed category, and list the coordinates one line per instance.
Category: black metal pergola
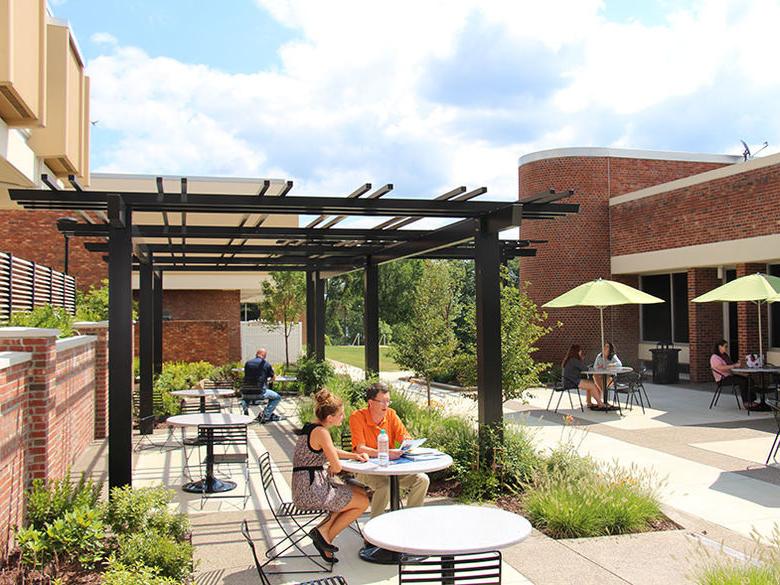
(158, 232)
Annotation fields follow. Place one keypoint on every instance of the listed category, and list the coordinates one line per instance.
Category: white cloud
(377, 92)
(104, 38)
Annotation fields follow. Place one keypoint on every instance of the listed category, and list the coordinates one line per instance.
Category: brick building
(673, 224)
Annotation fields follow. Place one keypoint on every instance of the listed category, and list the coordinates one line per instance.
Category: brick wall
(705, 322)
(579, 246)
(14, 430)
(735, 207)
(47, 411)
(33, 235)
(192, 341)
(747, 318)
(204, 325)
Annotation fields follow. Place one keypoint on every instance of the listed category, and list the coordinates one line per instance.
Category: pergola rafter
(320, 249)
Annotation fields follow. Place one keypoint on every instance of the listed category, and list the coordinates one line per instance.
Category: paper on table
(411, 444)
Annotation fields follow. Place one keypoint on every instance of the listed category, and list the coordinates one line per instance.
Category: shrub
(45, 317)
(52, 499)
(178, 376)
(138, 574)
(144, 509)
(226, 372)
(313, 374)
(172, 558)
(76, 536)
(574, 497)
(739, 574)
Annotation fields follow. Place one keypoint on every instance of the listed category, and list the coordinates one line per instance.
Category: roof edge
(605, 152)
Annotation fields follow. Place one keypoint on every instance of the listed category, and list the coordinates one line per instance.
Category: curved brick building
(674, 224)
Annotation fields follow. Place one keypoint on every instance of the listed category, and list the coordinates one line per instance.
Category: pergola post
(120, 344)
(146, 343)
(371, 317)
(311, 308)
(487, 259)
(319, 316)
(158, 322)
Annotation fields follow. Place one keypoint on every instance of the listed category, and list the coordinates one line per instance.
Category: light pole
(62, 224)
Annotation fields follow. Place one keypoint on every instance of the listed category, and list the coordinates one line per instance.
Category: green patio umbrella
(757, 288)
(601, 293)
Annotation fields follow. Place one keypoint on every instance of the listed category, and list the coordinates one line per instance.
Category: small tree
(522, 325)
(92, 305)
(427, 345)
(284, 299)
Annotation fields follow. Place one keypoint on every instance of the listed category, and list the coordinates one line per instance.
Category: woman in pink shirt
(721, 365)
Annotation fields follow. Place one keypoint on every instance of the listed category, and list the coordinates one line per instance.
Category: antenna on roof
(747, 155)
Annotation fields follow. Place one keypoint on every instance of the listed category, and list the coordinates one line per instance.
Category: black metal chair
(776, 443)
(252, 395)
(560, 387)
(334, 580)
(292, 521)
(231, 438)
(630, 385)
(478, 569)
(157, 406)
(719, 389)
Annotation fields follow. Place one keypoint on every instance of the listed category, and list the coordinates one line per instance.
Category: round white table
(749, 373)
(447, 530)
(606, 372)
(204, 393)
(394, 470)
(209, 484)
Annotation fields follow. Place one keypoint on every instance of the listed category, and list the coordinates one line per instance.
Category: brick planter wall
(47, 411)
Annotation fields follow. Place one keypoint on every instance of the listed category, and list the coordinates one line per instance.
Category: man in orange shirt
(365, 425)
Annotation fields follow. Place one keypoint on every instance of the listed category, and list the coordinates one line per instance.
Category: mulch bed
(12, 573)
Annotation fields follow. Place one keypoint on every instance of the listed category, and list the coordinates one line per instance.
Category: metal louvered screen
(25, 285)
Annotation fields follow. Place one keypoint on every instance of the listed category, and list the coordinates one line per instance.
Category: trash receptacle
(665, 364)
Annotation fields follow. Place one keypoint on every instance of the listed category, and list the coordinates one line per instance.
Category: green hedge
(135, 537)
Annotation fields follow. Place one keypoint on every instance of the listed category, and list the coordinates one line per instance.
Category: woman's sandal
(318, 539)
(324, 552)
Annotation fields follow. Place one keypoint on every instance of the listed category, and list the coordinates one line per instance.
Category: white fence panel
(255, 335)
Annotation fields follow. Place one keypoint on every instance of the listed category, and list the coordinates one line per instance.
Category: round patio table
(396, 468)
(763, 371)
(204, 393)
(605, 373)
(209, 484)
(447, 531)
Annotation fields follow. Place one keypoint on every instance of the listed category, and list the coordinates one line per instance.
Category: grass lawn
(353, 355)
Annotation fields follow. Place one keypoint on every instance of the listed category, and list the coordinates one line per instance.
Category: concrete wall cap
(11, 358)
(92, 324)
(596, 152)
(11, 332)
(73, 342)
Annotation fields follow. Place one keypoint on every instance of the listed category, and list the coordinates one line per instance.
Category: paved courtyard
(715, 486)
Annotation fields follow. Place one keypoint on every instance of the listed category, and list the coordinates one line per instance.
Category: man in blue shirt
(258, 373)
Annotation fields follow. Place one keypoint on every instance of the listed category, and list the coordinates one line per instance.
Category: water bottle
(383, 447)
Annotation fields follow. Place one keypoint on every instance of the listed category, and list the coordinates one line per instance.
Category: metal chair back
(346, 439)
(194, 407)
(477, 569)
(248, 537)
(228, 435)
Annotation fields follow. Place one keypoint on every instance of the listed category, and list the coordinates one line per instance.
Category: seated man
(365, 425)
(258, 373)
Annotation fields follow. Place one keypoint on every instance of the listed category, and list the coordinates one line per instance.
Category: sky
(424, 94)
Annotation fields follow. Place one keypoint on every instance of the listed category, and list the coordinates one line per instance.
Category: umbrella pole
(601, 310)
(760, 335)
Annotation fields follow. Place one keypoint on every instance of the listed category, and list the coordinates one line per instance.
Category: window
(774, 313)
(680, 306)
(250, 311)
(666, 321)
